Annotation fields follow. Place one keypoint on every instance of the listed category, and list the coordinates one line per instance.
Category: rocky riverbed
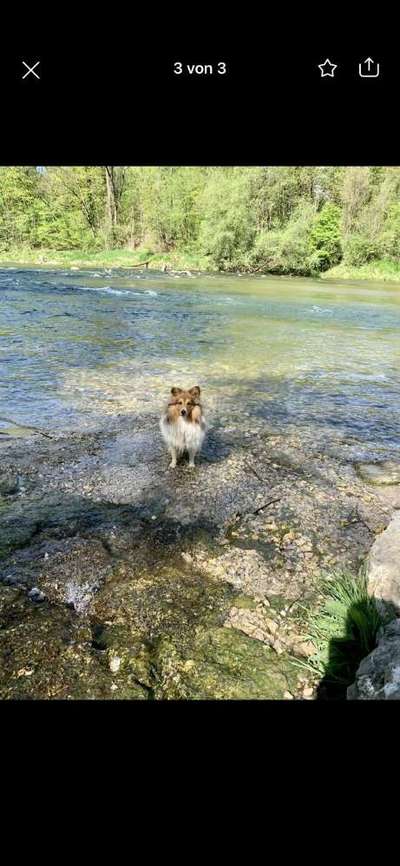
(124, 579)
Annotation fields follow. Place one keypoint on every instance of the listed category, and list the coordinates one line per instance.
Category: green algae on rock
(221, 663)
(45, 653)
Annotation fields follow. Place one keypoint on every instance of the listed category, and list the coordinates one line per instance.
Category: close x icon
(30, 69)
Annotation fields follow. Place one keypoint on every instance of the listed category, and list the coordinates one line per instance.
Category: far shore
(181, 261)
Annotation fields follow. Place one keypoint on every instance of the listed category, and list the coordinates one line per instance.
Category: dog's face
(183, 402)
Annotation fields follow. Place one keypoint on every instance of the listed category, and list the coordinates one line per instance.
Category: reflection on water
(290, 353)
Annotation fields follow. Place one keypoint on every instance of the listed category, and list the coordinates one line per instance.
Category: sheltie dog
(182, 424)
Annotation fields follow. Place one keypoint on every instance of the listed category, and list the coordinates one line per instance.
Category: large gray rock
(383, 570)
(378, 677)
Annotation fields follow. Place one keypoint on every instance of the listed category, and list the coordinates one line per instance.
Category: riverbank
(380, 271)
(119, 258)
(123, 579)
(383, 270)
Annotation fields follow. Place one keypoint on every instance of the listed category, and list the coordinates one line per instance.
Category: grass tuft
(343, 630)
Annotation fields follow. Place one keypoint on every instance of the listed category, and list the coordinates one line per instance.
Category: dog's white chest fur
(183, 435)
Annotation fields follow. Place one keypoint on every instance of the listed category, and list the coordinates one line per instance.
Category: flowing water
(77, 347)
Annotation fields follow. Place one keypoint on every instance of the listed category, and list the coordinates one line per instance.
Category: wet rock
(378, 677)
(36, 595)
(257, 625)
(383, 569)
(12, 606)
(114, 663)
(127, 651)
(74, 571)
(389, 496)
(250, 571)
(223, 664)
(10, 580)
(145, 604)
(101, 530)
(15, 532)
(121, 539)
(386, 472)
(46, 653)
(8, 483)
(120, 484)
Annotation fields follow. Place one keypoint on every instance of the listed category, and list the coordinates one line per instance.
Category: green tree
(325, 244)
(19, 206)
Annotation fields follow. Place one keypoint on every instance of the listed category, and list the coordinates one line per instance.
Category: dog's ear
(176, 391)
(195, 392)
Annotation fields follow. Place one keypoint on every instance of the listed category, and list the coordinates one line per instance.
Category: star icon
(327, 69)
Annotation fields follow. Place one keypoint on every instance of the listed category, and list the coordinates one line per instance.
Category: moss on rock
(221, 663)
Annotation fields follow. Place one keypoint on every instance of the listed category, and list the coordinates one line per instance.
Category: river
(77, 347)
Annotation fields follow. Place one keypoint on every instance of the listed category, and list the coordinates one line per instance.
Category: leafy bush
(325, 247)
(389, 240)
(266, 253)
(228, 225)
(286, 250)
(359, 249)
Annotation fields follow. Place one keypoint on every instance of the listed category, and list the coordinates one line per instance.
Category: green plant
(286, 250)
(389, 240)
(343, 629)
(359, 249)
(325, 246)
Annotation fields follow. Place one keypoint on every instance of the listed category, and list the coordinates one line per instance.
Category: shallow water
(279, 353)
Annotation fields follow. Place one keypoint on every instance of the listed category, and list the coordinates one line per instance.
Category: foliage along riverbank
(380, 271)
(284, 220)
(116, 258)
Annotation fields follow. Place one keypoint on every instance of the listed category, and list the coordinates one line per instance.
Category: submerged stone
(8, 483)
(387, 472)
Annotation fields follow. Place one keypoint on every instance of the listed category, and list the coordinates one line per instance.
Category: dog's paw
(192, 466)
(172, 465)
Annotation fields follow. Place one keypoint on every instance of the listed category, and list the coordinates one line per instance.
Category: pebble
(308, 692)
(36, 594)
(277, 646)
(288, 696)
(114, 664)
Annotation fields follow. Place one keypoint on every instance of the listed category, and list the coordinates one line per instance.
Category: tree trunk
(111, 198)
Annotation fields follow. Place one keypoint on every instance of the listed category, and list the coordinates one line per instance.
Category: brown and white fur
(182, 425)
